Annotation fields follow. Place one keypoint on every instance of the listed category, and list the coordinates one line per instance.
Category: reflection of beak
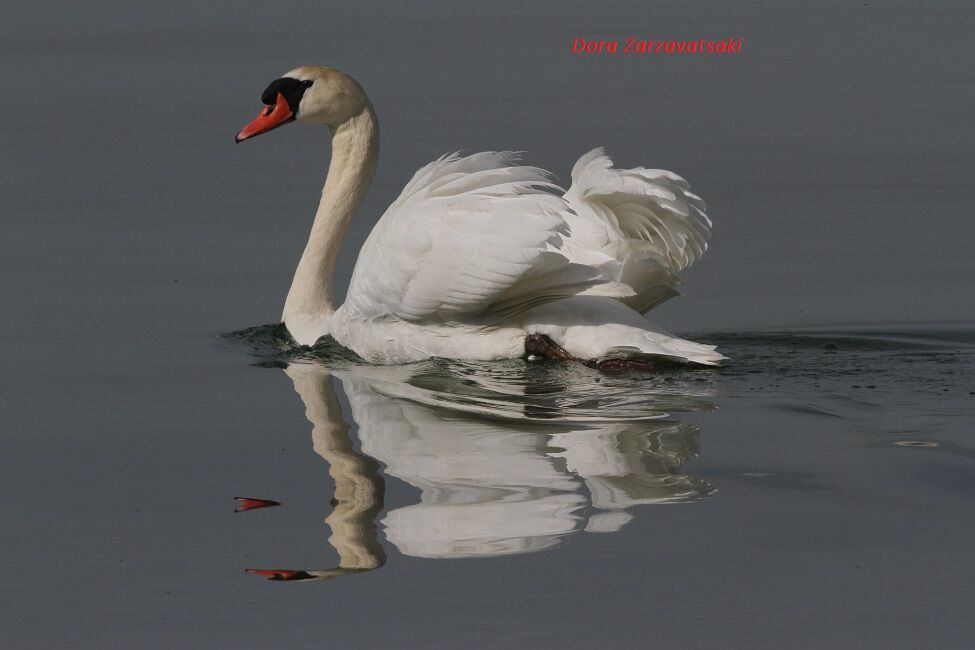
(270, 118)
(247, 503)
(281, 574)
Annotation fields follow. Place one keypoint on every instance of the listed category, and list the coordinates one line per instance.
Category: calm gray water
(817, 492)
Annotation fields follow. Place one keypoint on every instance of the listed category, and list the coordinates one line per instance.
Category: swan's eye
(307, 82)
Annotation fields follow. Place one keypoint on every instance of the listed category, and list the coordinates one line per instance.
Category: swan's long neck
(355, 152)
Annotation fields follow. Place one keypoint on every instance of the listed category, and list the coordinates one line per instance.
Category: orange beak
(270, 118)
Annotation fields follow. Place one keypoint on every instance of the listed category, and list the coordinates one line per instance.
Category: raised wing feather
(470, 236)
(640, 226)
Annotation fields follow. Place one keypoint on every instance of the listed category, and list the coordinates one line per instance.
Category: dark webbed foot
(540, 345)
(617, 366)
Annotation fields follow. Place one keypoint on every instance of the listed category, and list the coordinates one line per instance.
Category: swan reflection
(498, 472)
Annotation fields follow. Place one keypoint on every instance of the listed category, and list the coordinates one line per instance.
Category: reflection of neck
(359, 487)
(355, 152)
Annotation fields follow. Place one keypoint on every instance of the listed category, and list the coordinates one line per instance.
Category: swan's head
(307, 94)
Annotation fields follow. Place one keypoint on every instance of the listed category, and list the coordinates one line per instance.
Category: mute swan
(479, 258)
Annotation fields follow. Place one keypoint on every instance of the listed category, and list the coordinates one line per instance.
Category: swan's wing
(470, 236)
(641, 226)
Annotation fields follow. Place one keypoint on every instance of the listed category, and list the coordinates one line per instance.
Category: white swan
(479, 258)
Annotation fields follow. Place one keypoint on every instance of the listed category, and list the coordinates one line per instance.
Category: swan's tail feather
(676, 350)
(602, 328)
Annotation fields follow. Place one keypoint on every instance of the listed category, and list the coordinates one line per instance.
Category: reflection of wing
(501, 486)
(488, 488)
(624, 466)
(519, 523)
(490, 485)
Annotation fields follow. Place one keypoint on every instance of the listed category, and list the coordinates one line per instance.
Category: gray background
(834, 152)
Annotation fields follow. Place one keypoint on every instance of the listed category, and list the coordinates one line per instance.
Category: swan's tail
(670, 347)
(601, 328)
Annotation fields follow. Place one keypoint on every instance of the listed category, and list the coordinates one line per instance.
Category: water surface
(815, 492)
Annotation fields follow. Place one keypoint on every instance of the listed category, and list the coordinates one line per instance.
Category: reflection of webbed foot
(617, 366)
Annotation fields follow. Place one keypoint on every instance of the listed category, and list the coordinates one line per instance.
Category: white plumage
(469, 237)
(479, 251)
(646, 221)
(498, 485)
